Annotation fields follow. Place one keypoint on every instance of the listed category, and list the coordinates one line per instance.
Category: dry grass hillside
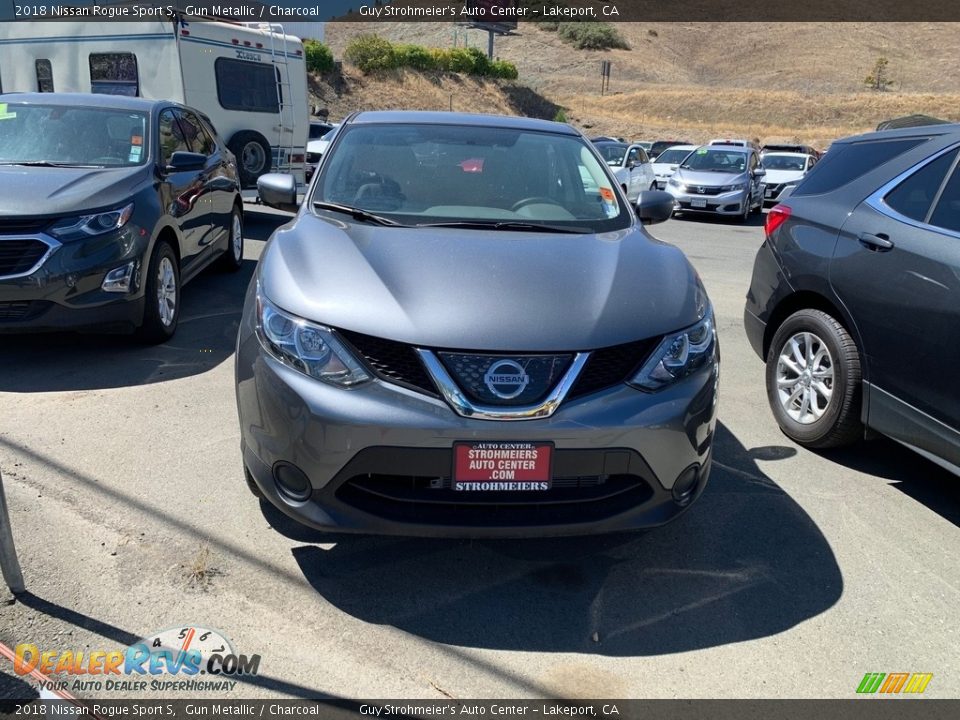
(775, 81)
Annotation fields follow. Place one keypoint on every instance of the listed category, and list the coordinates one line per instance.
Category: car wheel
(252, 484)
(253, 156)
(162, 296)
(232, 259)
(813, 381)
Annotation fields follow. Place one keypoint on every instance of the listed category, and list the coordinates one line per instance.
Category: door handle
(876, 243)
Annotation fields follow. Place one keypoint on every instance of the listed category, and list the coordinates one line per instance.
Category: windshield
(673, 157)
(71, 135)
(430, 174)
(612, 153)
(716, 159)
(784, 162)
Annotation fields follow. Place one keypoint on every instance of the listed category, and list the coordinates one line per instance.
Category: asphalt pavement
(794, 574)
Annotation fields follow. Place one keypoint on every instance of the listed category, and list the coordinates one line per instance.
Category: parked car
(645, 144)
(668, 161)
(802, 149)
(499, 351)
(316, 148)
(660, 145)
(631, 166)
(107, 205)
(855, 297)
(721, 180)
(736, 142)
(318, 128)
(784, 171)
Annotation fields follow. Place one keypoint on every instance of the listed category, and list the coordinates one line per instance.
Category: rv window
(248, 86)
(44, 76)
(114, 74)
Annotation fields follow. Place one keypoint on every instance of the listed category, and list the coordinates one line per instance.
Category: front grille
(394, 362)
(416, 499)
(10, 225)
(703, 190)
(19, 255)
(22, 309)
(774, 188)
(611, 366)
(493, 379)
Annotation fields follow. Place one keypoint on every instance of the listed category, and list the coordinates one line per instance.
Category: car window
(197, 137)
(947, 212)
(475, 174)
(171, 137)
(715, 158)
(847, 161)
(915, 195)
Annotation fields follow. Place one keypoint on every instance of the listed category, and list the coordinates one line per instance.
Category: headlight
(312, 349)
(76, 228)
(674, 182)
(679, 355)
(734, 188)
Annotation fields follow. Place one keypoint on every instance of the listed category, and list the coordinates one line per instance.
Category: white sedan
(630, 165)
(784, 170)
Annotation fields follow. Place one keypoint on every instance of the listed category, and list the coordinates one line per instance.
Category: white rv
(249, 78)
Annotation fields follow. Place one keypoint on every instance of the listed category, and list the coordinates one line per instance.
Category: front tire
(813, 380)
(232, 259)
(161, 310)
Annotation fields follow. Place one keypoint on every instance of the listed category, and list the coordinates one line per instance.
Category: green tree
(318, 56)
(879, 79)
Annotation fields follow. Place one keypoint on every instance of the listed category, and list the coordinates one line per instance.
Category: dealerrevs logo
(168, 660)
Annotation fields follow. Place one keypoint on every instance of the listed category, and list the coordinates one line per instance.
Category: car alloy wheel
(813, 380)
(166, 292)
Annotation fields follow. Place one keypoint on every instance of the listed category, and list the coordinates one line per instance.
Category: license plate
(502, 466)
(698, 202)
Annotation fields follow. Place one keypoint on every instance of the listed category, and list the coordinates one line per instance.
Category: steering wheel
(539, 199)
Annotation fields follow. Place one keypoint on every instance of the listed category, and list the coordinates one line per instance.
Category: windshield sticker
(607, 194)
(702, 151)
(4, 115)
(135, 151)
(136, 140)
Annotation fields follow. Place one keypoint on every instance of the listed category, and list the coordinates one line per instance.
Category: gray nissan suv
(466, 331)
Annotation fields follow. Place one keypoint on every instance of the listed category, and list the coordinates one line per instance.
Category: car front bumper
(379, 457)
(728, 203)
(65, 291)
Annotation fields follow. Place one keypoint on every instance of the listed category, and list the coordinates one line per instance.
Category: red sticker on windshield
(606, 194)
(136, 140)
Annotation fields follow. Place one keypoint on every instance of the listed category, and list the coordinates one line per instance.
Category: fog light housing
(686, 485)
(119, 279)
(292, 483)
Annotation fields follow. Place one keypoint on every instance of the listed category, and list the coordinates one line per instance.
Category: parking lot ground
(794, 574)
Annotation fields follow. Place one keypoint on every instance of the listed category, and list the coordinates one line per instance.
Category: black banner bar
(503, 13)
(866, 708)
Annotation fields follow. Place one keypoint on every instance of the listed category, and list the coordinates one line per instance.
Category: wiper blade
(47, 163)
(509, 225)
(355, 213)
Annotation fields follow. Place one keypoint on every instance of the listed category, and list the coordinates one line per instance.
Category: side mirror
(278, 190)
(759, 172)
(654, 206)
(183, 161)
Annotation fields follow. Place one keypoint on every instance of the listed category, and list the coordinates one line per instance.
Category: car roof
(918, 131)
(396, 117)
(682, 147)
(728, 148)
(782, 153)
(113, 102)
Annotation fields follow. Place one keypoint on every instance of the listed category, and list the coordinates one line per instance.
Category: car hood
(782, 176)
(481, 290)
(692, 177)
(49, 192)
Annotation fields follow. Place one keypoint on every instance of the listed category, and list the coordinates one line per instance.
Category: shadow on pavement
(745, 562)
(913, 475)
(206, 336)
(754, 221)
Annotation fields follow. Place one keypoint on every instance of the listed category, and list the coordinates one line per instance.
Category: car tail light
(775, 218)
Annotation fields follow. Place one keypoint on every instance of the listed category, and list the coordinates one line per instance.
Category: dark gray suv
(467, 331)
(855, 298)
(107, 205)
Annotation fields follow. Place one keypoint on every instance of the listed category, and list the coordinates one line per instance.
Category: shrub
(371, 52)
(561, 116)
(504, 69)
(413, 56)
(318, 56)
(591, 36)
